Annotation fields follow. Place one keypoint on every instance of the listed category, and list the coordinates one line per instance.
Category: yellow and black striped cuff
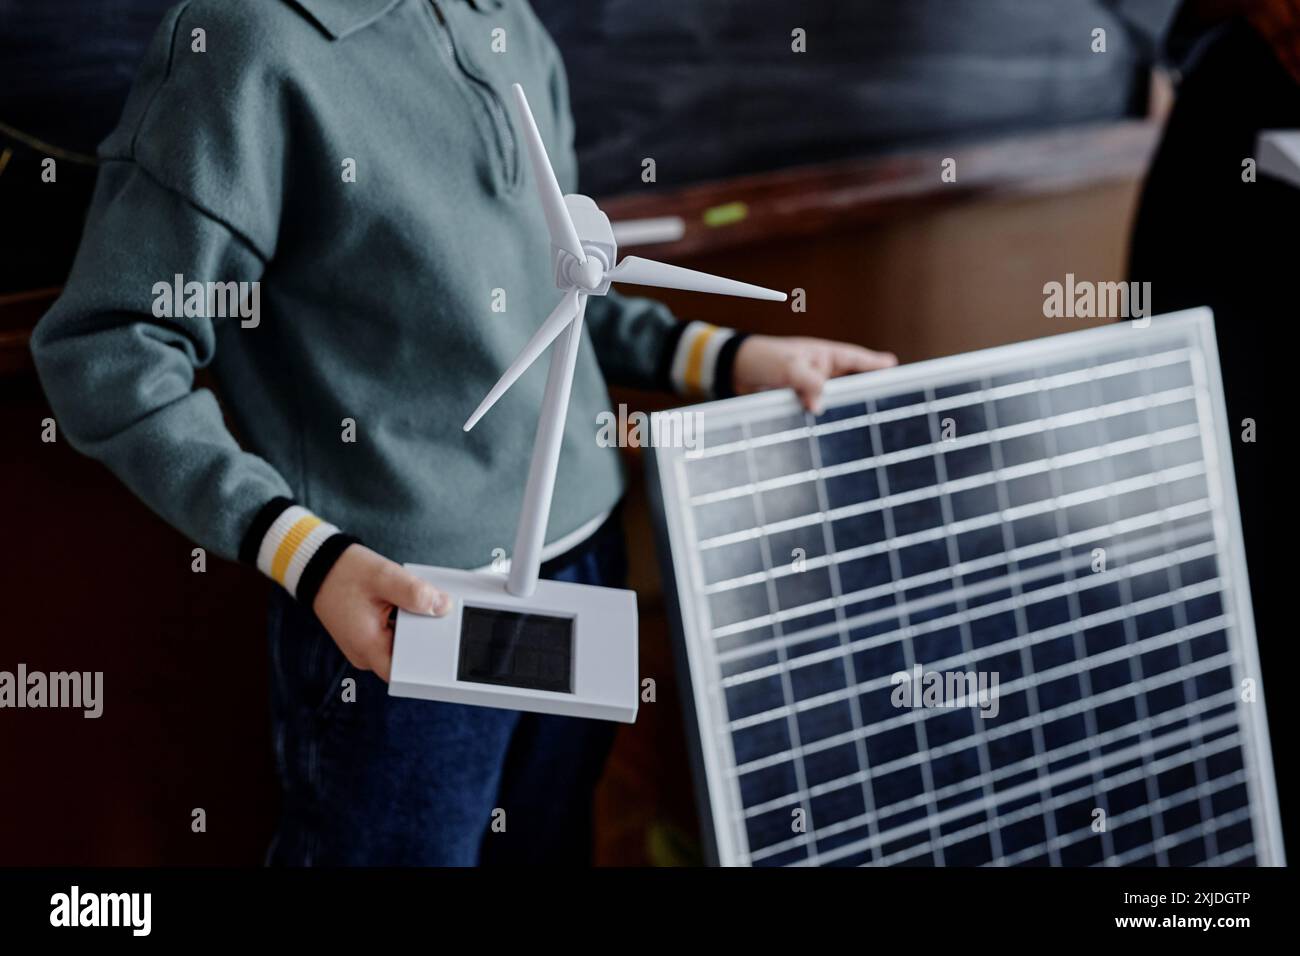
(293, 547)
(703, 358)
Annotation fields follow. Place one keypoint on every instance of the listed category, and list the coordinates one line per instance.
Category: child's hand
(356, 600)
(803, 364)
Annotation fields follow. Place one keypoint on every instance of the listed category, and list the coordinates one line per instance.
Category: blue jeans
(394, 781)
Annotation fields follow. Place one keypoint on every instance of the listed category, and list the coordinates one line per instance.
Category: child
(352, 164)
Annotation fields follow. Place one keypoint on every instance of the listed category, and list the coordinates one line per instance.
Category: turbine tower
(583, 255)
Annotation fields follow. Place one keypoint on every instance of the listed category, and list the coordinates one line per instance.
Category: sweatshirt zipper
(487, 95)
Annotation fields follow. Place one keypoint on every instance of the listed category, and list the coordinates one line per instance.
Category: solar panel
(988, 609)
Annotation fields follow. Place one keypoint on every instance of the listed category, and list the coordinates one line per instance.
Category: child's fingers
(807, 382)
(399, 586)
(854, 358)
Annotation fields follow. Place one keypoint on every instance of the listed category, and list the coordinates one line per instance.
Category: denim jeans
(394, 781)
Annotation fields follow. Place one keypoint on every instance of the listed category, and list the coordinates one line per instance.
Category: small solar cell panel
(985, 610)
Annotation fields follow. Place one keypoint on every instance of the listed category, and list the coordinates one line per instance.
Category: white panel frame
(683, 573)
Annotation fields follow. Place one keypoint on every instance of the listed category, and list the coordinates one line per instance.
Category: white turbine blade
(558, 221)
(561, 316)
(640, 271)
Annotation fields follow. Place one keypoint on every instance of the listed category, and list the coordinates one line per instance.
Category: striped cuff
(293, 547)
(703, 359)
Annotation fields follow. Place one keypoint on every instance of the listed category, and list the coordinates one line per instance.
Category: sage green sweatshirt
(325, 202)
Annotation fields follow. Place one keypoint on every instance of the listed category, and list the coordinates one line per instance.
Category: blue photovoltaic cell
(1053, 525)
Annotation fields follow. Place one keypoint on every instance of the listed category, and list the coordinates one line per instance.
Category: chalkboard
(716, 88)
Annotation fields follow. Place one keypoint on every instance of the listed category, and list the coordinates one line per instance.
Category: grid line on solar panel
(1114, 823)
(1040, 596)
(1011, 472)
(1206, 665)
(1046, 506)
(927, 599)
(1182, 396)
(1164, 844)
(792, 727)
(1174, 580)
(1244, 855)
(1163, 806)
(1140, 773)
(1173, 357)
(1008, 818)
(1191, 833)
(1140, 701)
(1081, 496)
(1169, 722)
(855, 713)
(917, 582)
(962, 527)
(993, 652)
(1058, 444)
(1090, 497)
(833, 422)
(896, 573)
(1188, 554)
(1186, 633)
(1040, 716)
(1084, 675)
(1179, 621)
(1044, 635)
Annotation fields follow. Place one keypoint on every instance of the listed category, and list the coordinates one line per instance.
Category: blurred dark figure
(1204, 236)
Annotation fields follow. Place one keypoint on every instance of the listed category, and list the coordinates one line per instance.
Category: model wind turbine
(521, 643)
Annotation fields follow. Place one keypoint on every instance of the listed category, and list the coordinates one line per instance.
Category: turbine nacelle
(593, 274)
(596, 237)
